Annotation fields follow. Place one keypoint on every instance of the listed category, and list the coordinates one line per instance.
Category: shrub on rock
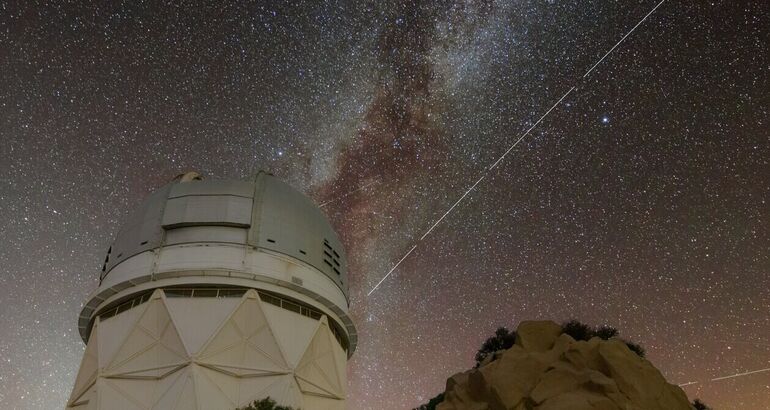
(265, 404)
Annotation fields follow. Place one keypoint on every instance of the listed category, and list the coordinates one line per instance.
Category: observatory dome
(258, 233)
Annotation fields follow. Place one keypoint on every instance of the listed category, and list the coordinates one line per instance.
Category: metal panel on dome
(192, 234)
(290, 223)
(213, 187)
(141, 231)
(193, 210)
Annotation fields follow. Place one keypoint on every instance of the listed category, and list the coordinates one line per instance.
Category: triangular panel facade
(319, 371)
(153, 347)
(245, 343)
(238, 356)
(89, 370)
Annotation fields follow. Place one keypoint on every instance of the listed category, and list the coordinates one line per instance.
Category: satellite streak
(453, 207)
(624, 37)
(732, 376)
(531, 128)
(524, 135)
(347, 194)
(391, 270)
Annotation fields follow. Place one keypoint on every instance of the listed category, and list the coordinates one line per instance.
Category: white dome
(258, 233)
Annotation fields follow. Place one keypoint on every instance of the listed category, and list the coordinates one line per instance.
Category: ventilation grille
(331, 258)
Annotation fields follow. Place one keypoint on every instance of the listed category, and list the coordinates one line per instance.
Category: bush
(265, 404)
(502, 340)
(606, 332)
(578, 330)
(432, 403)
(581, 331)
(639, 350)
(699, 405)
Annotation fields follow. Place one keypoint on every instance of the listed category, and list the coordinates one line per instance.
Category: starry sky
(641, 201)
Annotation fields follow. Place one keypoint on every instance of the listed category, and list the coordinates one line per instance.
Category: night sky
(642, 201)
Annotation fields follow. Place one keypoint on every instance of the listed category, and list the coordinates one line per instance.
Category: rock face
(547, 370)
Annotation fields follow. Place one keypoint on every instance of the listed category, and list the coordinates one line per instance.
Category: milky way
(641, 201)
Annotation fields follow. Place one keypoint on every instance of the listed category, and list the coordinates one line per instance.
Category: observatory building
(216, 293)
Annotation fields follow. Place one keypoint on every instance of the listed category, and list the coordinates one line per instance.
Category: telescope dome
(258, 233)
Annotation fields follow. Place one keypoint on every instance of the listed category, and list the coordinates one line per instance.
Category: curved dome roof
(274, 216)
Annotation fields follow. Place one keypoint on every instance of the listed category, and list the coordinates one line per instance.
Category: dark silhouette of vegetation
(432, 403)
(265, 404)
(639, 350)
(581, 331)
(502, 340)
(577, 330)
(606, 332)
(699, 405)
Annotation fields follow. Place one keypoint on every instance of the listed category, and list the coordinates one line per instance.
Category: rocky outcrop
(548, 370)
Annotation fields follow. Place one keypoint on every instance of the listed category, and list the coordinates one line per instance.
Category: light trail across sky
(524, 135)
(347, 194)
(731, 376)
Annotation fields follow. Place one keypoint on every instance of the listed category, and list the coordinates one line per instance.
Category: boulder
(537, 336)
(547, 370)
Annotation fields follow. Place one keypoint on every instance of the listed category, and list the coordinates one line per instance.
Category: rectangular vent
(302, 252)
(295, 280)
(291, 306)
(336, 271)
(328, 254)
(178, 293)
(270, 299)
(271, 240)
(204, 293)
(328, 263)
